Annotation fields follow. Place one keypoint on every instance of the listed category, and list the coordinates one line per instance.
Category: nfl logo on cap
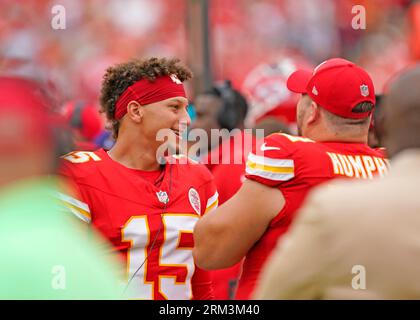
(364, 90)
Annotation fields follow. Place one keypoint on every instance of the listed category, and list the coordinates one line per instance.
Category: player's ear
(135, 111)
(314, 112)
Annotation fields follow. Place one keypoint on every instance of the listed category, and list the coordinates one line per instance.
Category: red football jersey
(149, 224)
(295, 165)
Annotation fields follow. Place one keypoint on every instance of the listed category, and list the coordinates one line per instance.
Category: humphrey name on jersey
(358, 166)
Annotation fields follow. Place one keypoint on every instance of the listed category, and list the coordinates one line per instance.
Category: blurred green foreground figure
(44, 253)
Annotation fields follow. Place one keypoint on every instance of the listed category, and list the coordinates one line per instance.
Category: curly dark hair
(119, 77)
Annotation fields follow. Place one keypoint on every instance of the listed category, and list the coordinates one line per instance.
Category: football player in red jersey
(333, 116)
(145, 207)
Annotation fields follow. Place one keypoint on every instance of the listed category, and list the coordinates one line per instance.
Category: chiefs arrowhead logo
(194, 200)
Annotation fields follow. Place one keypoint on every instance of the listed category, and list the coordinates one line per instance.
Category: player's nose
(185, 117)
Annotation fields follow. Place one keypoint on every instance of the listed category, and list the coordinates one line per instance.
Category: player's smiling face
(167, 114)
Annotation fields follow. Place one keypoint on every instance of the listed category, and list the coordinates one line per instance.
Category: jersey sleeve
(211, 197)
(271, 161)
(71, 196)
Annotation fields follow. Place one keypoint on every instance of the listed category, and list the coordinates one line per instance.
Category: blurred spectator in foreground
(44, 255)
(376, 127)
(86, 124)
(360, 235)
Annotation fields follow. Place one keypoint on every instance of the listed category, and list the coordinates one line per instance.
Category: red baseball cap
(24, 118)
(337, 85)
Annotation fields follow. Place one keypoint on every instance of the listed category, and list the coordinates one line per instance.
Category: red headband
(146, 92)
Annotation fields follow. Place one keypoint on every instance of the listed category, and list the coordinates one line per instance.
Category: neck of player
(360, 138)
(349, 134)
(135, 153)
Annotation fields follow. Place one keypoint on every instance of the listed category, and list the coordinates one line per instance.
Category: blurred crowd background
(242, 33)
(255, 44)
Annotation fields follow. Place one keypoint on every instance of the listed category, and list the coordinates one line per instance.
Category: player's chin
(176, 141)
(172, 144)
(175, 146)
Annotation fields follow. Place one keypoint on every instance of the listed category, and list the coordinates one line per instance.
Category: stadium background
(218, 39)
(241, 35)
